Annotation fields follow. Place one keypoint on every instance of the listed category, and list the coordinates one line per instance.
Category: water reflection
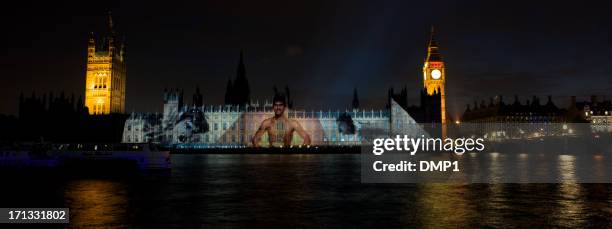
(444, 205)
(542, 173)
(569, 201)
(96, 203)
(496, 167)
(600, 165)
(220, 191)
(523, 167)
(566, 167)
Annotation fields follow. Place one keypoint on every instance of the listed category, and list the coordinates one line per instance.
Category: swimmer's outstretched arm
(257, 137)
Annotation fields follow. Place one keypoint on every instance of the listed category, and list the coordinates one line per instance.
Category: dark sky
(320, 49)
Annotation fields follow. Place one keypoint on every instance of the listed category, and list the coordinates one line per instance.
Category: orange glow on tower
(434, 76)
(105, 77)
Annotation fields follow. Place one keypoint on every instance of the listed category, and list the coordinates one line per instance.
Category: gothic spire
(355, 103)
(111, 28)
(241, 84)
(241, 69)
(92, 39)
(432, 47)
(197, 100)
(229, 92)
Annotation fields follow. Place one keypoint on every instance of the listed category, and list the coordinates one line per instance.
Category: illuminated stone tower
(434, 77)
(105, 77)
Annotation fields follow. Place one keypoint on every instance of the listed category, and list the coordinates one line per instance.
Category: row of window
(136, 138)
(98, 108)
(101, 83)
(600, 121)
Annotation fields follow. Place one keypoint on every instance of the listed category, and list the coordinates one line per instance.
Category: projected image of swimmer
(280, 129)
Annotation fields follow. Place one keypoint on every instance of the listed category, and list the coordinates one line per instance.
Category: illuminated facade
(210, 126)
(106, 74)
(497, 111)
(235, 123)
(502, 120)
(596, 112)
(434, 76)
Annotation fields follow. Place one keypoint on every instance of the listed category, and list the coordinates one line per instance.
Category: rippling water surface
(297, 190)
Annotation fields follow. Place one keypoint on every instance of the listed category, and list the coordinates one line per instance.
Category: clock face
(435, 74)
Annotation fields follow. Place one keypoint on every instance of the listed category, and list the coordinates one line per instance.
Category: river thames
(299, 190)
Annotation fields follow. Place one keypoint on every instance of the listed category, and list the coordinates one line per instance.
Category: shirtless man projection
(280, 128)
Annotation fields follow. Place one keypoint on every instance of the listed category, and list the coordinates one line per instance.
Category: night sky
(320, 49)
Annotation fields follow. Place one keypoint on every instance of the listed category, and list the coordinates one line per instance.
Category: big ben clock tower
(434, 77)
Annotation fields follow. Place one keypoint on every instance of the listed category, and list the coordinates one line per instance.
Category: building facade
(235, 123)
(210, 126)
(106, 74)
(535, 119)
(497, 111)
(500, 120)
(595, 111)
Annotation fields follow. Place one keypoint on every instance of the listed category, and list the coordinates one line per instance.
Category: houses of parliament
(199, 125)
(102, 111)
